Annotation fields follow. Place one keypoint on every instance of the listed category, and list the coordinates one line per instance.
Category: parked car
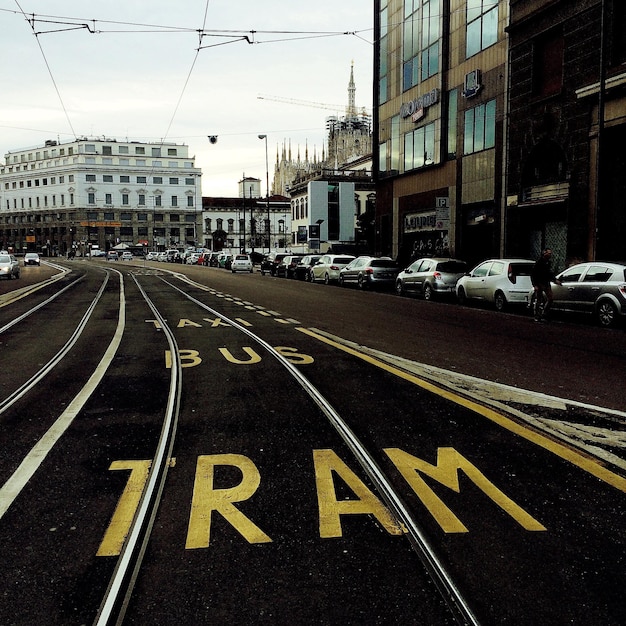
(97, 252)
(224, 260)
(241, 263)
(112, 255)
(369, 272)
(32, 258)
(328, 267)
(594, 288)
(127, 256)
(287, 266)
(431, 277)
(270, 263)
(302, 271)
(9, 266)
(173, 256)
(500, 281)
(192, 258)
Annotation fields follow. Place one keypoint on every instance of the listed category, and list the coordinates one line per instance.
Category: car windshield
(452, 267)
(343, 259)
(4, 259)
(382, 263)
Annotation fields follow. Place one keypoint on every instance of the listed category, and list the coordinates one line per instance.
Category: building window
(92, 216)
(142, 217)
(156, 152)
(124, 179)
(108, 198)
(172, 152)
(125, 199)
(142, 179)
(107, 178)
(158, 217)
(482, 26)
(231, 225)
(157, 200)
(480, 128)
(419, 147)
(126, 231)
(107, 150)
(140, 150)
(174, 200)
(126, 217)
(174, 217)
(189, 201)
(91, 198)
(157, 180)
(109, 216)
(90, 178)
(453, 105)
(420, 45)
(123, 149)
(142, 199)
(548, 66)
(173, 181)
(383, 85)
(190, 181)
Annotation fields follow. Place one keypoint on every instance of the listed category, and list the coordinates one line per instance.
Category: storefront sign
(415, 108)
(417, 222)
(472, 84)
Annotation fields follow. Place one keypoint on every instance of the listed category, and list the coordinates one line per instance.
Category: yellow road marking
(574, 457)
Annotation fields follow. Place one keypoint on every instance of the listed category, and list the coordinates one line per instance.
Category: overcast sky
(131, 69)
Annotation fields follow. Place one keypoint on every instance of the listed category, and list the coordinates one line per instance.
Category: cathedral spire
(351, 112)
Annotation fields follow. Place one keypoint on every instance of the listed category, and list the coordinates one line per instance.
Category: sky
(181, 71)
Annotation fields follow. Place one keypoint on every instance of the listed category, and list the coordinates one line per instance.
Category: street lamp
(267, 194)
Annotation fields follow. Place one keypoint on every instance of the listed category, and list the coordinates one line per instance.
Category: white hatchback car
(241, 263)
(500, 281)
(328, 267)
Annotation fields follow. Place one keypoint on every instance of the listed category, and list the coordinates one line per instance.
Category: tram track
(450, 593)
(129, 595)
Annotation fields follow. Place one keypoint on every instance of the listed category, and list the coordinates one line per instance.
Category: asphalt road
(267, 517)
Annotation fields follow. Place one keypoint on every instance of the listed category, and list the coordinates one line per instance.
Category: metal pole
(267, 195)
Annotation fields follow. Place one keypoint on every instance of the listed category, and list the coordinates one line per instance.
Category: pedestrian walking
(541, 276)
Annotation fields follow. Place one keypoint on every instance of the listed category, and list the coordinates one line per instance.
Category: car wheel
(342, 282)
(400, 288)
(428, 292)
(461, 296)
(361, 282)
(606, 313)
(500, 301)
(326, 279)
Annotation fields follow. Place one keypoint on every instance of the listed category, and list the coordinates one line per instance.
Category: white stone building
(99, 192)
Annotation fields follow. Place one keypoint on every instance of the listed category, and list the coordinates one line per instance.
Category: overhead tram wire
(43, 54)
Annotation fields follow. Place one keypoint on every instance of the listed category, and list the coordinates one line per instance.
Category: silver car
(594, 288)
(430, 277)
(499, 281)
(9, 267)
(369, 272)
(328, 267)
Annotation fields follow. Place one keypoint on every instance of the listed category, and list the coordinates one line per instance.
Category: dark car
(302, 271)
(594, 288)
(269, 264)
(430, 277)
(288, 265)
(369, 272)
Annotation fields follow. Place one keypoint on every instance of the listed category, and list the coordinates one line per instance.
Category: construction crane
(319, 105)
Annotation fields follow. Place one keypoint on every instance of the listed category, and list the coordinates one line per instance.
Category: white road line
(33, 460)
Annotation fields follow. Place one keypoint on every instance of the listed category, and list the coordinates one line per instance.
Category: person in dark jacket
(541, 276)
